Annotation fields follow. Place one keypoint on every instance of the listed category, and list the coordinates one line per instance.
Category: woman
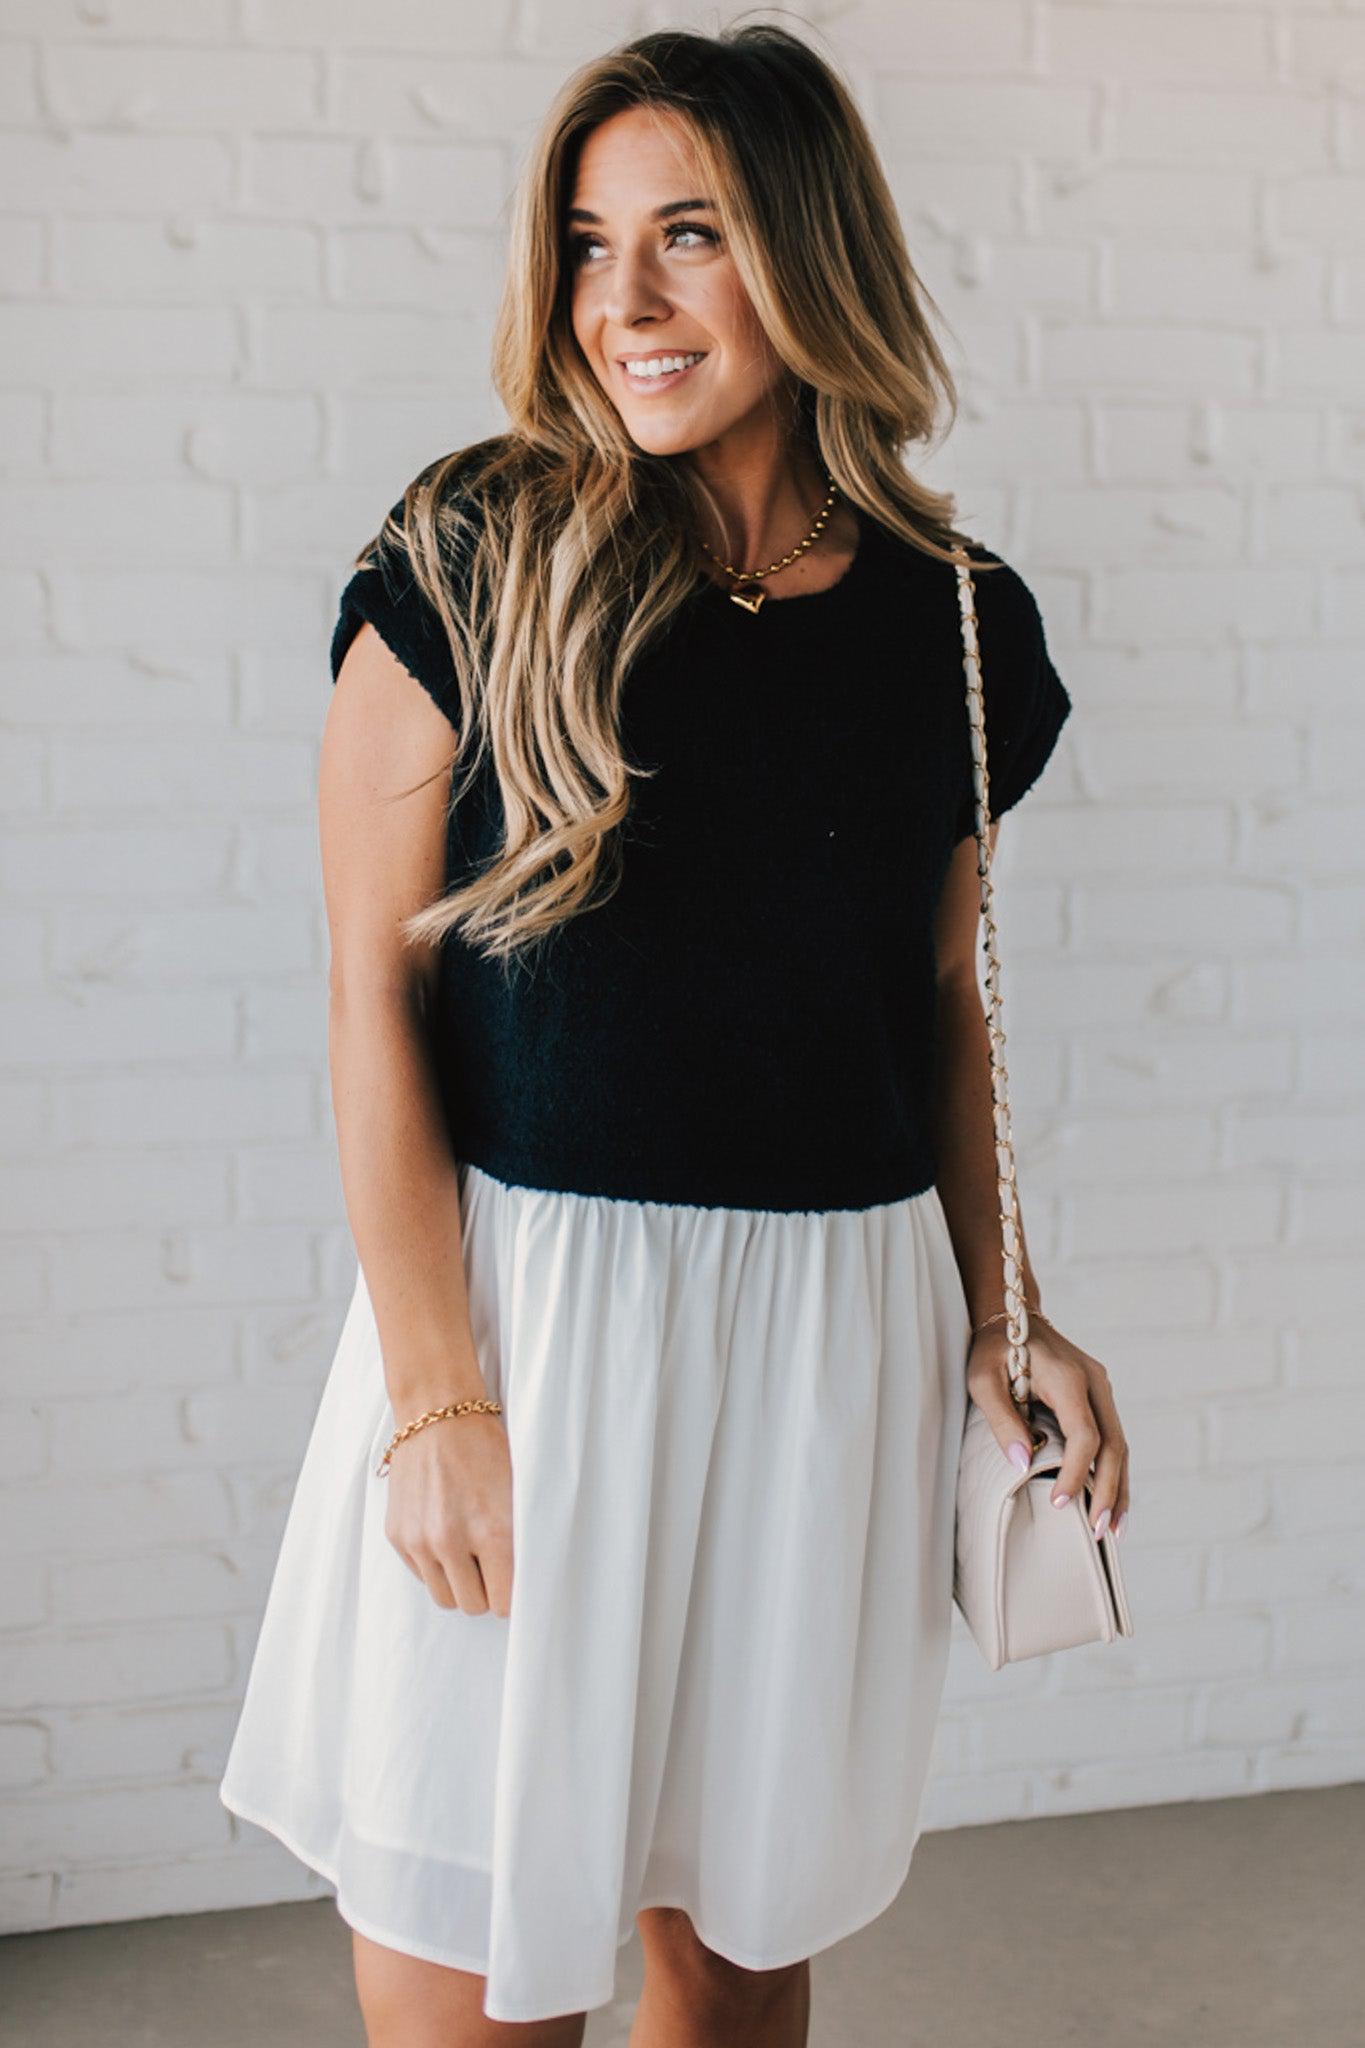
(677, 1147)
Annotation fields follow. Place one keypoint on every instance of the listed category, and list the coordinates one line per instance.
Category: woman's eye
(580, 244)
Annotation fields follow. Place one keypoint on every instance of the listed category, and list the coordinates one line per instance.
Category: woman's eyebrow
(660, 212)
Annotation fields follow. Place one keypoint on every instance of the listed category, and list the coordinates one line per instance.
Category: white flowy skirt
(734, 1437)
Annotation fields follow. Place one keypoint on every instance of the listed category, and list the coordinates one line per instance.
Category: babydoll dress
(712, 1283)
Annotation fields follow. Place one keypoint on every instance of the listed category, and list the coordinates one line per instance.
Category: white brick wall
(248, 255)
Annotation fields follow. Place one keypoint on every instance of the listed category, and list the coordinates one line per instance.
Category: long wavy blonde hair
(554, 551)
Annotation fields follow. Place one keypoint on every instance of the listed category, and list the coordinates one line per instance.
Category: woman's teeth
(662, 366)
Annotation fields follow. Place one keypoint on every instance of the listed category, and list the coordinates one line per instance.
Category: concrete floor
(1233, 1923)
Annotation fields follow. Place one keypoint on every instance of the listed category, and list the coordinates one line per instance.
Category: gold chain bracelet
(481, 1406)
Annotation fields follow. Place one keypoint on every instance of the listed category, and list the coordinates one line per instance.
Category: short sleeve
(386, 594)
(1026, 702)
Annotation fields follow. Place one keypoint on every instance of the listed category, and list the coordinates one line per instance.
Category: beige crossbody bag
(1029, 1578)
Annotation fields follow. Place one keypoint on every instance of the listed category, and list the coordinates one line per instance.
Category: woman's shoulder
(1000, 588)
(435, 521)
(1003, 595)
(1007, 610)
(996, 580)
(1026, 702)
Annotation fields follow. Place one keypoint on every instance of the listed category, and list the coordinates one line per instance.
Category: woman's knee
(406, 2002)
(701, 1981)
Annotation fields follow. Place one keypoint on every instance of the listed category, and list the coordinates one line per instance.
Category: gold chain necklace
(746, 581)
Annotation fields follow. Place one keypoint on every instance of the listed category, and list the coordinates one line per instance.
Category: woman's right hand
(449, 1512)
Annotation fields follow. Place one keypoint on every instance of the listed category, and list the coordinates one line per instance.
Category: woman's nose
(633, 292)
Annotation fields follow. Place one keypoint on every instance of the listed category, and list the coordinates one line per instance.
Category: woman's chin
(666, 437)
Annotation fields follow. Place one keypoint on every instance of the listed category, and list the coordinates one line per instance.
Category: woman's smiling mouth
(648, 374)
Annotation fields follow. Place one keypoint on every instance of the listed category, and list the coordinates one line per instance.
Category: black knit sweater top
(748, 1020)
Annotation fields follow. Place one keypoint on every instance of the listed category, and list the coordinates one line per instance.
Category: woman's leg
(694, 1998)
(408, 2003)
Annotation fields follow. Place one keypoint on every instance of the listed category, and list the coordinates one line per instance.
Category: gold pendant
(750, 599)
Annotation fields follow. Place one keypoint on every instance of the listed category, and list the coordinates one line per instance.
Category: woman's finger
(493, 1549)
(462, 1570)
(988, 1384)
(1110, 1489)
(432, 1573)
(1068, 1397)
(1104, 1487)
(399, 1546)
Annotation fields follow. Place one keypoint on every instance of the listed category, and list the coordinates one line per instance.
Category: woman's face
(650, 278)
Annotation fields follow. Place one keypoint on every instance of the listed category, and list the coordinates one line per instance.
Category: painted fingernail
(1018, 1455)
(1102, 1523)
(1059, 1500)
(1121, 1526)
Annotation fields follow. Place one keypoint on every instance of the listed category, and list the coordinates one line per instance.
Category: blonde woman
(660, 1080)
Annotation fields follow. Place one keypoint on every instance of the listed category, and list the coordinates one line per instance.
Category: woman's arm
(963, 1124)
(1072, 1383)
(383, 790)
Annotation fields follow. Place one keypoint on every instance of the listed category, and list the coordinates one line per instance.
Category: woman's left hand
(1076, 1387)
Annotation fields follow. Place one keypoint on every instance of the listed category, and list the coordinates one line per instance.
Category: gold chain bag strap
(1028, 1578)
